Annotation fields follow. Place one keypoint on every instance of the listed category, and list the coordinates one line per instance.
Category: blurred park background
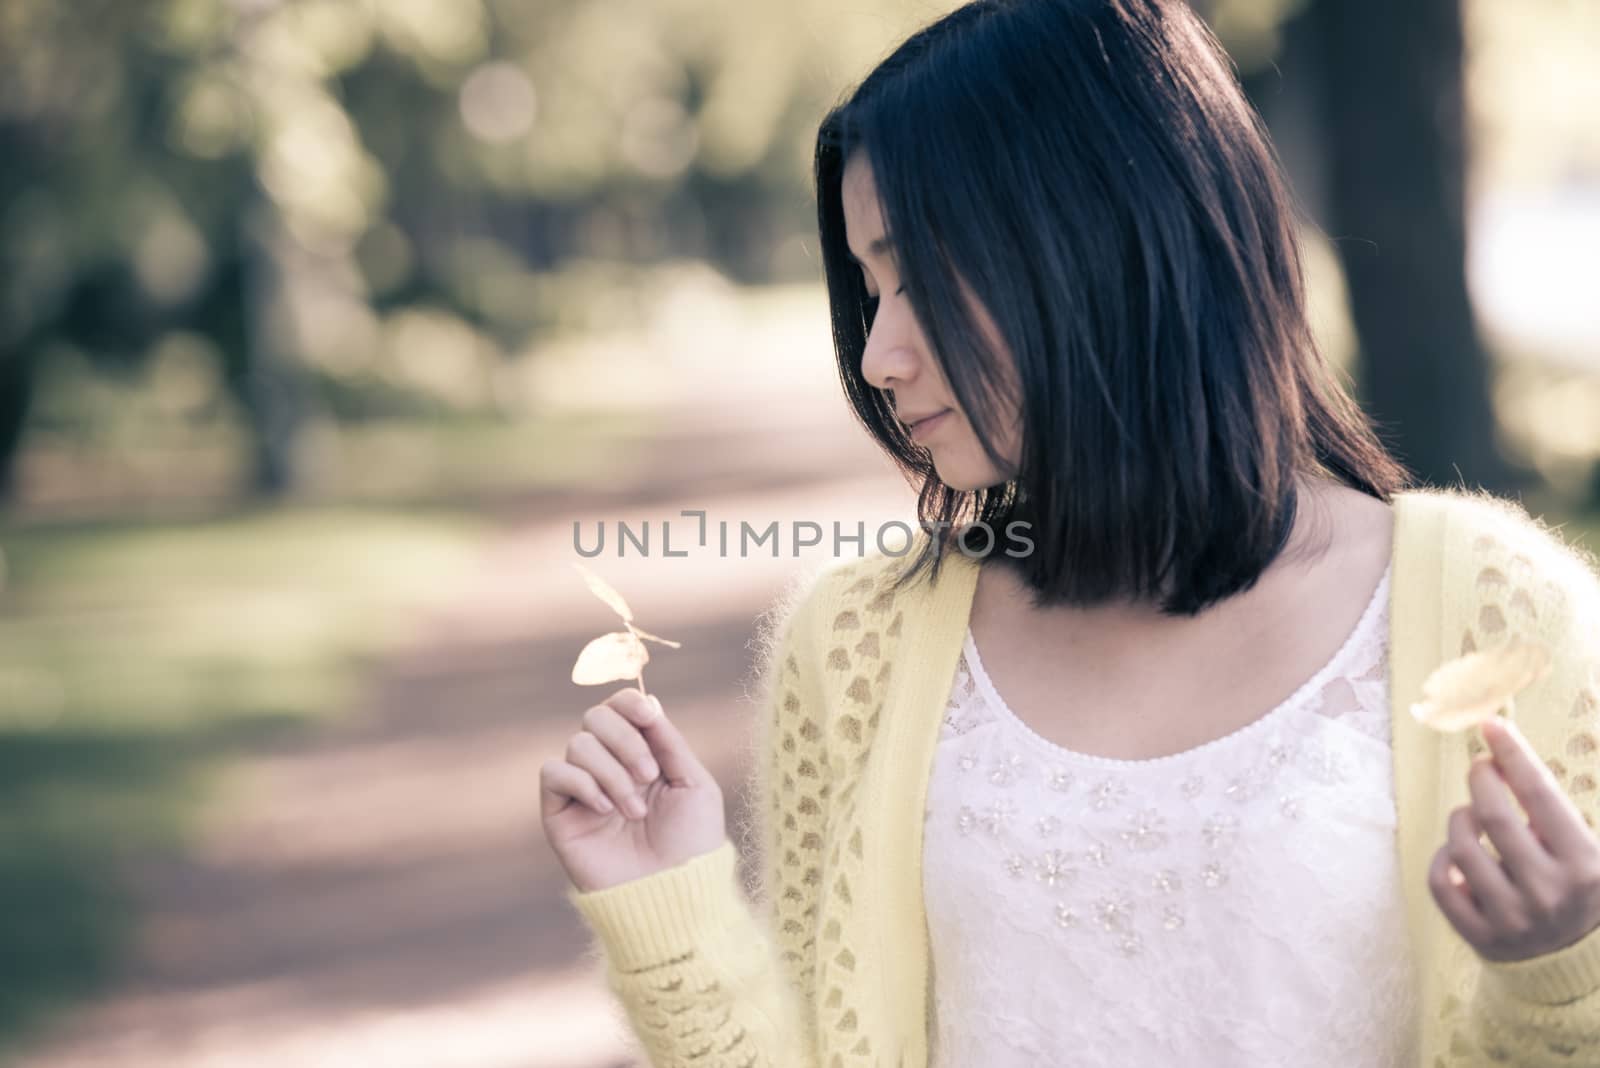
(323, 321)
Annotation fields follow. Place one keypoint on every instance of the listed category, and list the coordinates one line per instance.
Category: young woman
(1138, 793)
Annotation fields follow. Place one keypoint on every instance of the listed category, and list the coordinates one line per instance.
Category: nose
(893, 353)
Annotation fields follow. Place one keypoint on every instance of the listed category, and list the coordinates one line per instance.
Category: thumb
(679, 766)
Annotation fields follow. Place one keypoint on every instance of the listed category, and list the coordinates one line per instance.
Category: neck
(1125, 623)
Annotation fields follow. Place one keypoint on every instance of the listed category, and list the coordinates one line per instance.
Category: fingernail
(651, 771)
(657, 702)
(636, 806)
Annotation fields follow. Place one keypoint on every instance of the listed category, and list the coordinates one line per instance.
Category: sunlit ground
(554, 415)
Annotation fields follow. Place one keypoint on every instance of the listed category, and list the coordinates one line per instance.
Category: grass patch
(135, 659)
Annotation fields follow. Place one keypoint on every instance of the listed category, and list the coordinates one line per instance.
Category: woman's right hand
(627, 751)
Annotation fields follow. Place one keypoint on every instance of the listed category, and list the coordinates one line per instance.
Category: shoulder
(1506, 571)
(820, 598)
(1503, 548)
(817, 596)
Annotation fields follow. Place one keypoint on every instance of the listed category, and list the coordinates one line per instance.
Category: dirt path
(377, 892)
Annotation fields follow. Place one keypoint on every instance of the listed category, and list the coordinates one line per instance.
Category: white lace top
(1236, 905)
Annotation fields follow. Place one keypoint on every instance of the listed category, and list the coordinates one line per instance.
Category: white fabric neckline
(1306, 689)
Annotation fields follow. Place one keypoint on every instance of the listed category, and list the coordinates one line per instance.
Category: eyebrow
(879, 247)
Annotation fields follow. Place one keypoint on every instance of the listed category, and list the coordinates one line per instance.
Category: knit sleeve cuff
(1554, 978)
(669, 915)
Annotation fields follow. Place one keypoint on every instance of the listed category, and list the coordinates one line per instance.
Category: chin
(966, 480)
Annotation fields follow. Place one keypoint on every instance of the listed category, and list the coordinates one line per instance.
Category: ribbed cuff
(1565, 975)
(662, 917)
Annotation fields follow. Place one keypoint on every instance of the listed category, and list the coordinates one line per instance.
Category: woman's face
(897, 357)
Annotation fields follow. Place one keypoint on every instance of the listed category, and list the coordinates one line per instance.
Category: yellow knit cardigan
(830, 968)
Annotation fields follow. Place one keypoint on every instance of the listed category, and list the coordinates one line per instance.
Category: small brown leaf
(610, 657)
(601, 589)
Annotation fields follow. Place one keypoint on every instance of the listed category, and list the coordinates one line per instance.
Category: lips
(911, 424)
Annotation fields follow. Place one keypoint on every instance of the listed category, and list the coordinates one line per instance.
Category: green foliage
(303, 189)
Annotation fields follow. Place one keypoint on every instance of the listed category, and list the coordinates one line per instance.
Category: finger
(1490, 885)
(1521, 853)
(561, 784)
(586, 751)
(1456, 902)
(624, 741)
(1551, 813)
(679, 766)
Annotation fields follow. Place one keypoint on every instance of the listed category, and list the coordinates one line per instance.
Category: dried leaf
(603, 590)
(616, 656)
(1463, 692)
(610, 657)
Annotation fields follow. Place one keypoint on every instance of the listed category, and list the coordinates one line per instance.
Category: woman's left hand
(1543, 893)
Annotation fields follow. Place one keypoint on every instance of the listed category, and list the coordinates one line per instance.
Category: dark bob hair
(1093, 171)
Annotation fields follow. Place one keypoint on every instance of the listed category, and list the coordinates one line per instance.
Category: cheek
(1007, 441)
(962, 464)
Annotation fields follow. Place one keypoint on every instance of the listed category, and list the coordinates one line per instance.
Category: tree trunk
(16, 395)
(1392, 101)
(269, 384)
